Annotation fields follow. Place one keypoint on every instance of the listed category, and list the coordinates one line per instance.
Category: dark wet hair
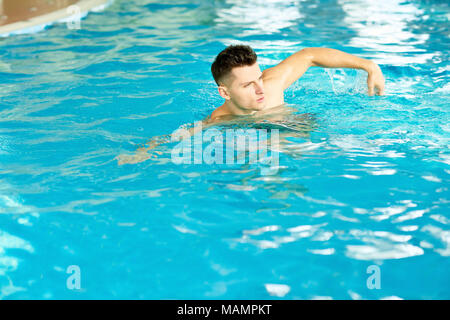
(231, 57)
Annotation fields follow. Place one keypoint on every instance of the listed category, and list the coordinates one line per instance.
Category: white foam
(278, 290)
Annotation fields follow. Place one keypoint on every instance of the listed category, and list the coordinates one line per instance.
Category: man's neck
(231, 108)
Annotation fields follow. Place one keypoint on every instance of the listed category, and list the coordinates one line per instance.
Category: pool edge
(40, 22)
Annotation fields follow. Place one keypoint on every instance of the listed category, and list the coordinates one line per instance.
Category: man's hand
(375, 80)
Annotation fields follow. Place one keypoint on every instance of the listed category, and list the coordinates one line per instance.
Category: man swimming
(252, 95)
(247, 90)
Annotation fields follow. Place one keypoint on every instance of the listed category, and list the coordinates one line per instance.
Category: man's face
(245, 88)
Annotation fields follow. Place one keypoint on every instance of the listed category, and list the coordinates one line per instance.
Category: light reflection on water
(367, 184)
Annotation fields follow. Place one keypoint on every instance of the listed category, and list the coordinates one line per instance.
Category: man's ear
(223, 91)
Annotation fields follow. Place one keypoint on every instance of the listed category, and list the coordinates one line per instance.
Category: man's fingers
(375, 82)
(380, 88)
(370, 85)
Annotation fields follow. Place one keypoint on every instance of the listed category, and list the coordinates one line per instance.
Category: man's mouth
(260, 99)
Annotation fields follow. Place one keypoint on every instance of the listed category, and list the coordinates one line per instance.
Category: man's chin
(255, 108)
(259, 106)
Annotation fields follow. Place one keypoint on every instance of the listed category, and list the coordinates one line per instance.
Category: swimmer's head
(239, 77)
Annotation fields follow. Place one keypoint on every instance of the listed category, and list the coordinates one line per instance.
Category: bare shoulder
(290, 69)
(219, 112)
(277, 75)
(273, 87)
(272, 74)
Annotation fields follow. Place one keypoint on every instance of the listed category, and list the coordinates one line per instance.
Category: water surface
(368, 184)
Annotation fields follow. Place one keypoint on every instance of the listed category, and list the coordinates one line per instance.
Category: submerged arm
(142, 153)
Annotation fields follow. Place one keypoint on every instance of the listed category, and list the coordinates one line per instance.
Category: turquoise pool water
(368, 186)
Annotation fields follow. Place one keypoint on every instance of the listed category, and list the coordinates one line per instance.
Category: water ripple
(360, 180)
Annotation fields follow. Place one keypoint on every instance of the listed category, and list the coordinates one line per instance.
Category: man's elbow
(308, 55)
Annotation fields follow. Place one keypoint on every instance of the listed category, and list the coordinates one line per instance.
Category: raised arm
(292, 68)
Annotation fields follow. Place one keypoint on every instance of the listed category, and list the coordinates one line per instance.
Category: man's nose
(259, 87)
